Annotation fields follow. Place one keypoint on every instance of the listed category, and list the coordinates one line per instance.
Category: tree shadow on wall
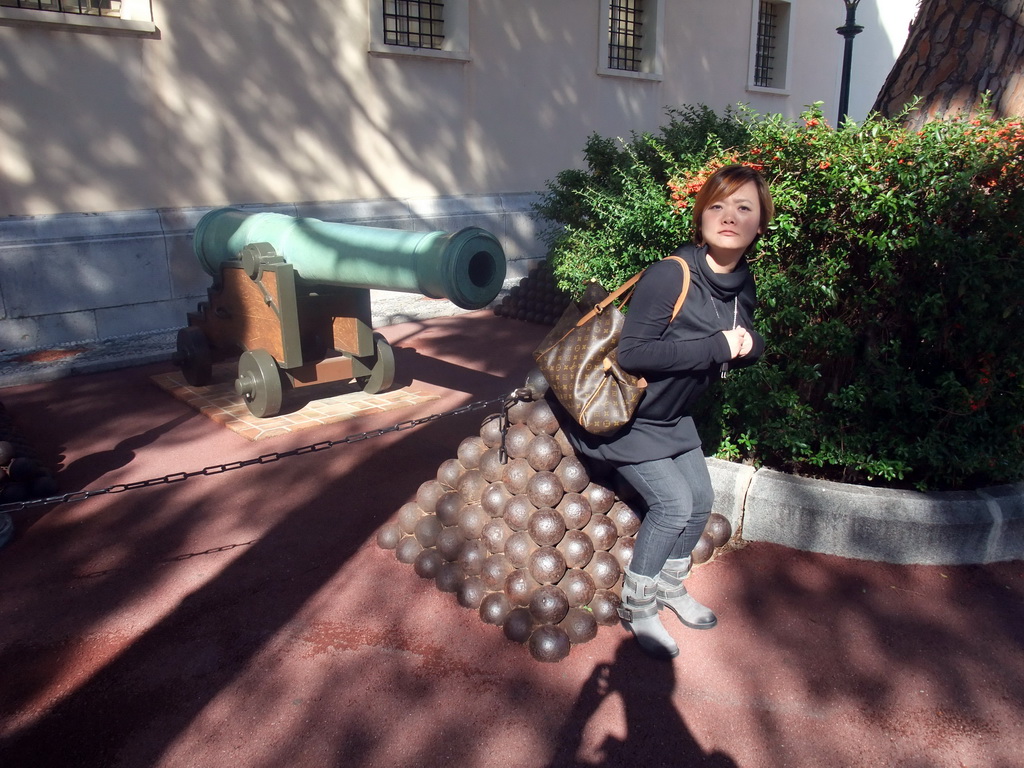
(656, 734)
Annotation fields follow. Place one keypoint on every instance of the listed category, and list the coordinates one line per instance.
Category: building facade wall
(113, 141)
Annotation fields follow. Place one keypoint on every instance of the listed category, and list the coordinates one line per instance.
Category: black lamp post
(849, 31)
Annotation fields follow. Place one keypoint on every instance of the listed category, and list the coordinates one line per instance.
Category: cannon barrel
(466, 267)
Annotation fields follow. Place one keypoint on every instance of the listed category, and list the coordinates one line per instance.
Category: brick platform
(219, 402)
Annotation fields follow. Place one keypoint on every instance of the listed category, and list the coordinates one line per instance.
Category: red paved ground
(249, 618)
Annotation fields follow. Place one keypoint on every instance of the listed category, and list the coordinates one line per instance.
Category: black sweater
(679, 360)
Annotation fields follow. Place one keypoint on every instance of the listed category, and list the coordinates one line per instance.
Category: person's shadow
(656, 734)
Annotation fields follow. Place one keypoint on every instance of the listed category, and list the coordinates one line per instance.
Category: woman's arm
(641, 348)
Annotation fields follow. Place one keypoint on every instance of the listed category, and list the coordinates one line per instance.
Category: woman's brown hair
(723, 183)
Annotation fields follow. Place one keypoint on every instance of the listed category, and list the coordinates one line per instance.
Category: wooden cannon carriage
(291, 297)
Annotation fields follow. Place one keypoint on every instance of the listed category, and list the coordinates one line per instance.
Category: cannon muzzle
(466, 267)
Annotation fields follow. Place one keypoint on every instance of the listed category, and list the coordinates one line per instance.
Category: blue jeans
(678, 494)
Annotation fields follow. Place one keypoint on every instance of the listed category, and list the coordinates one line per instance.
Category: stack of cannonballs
(533, 544)
(22, 477)
(537, 299)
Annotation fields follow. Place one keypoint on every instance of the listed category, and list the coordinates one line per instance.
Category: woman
(659, 452)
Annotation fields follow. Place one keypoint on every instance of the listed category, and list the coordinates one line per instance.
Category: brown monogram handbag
(579, 358)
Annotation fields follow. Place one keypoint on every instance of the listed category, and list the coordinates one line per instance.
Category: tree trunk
(956, 51)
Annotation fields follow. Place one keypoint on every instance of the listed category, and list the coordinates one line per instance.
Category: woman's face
(730, 225)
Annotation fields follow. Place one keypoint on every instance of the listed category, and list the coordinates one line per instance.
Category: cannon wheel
(193, 356)
(382, 367)
(259, 383)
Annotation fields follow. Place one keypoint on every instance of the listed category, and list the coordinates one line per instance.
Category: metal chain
(505, 401)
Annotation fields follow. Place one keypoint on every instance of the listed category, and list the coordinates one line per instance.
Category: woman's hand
(741, 342)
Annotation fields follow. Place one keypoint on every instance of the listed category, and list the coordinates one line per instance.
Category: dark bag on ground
(579, 358)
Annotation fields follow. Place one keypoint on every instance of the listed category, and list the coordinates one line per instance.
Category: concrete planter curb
(893, 526)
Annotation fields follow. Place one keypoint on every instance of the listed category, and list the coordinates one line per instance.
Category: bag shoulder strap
(628, 287)
(603, 304)
(686, 285)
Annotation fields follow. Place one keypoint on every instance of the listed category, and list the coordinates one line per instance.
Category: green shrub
(888, 282)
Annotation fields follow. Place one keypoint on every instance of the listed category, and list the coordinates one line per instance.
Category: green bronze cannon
(292, 296)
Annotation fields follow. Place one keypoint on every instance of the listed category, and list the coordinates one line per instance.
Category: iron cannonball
(494, 498)
(518, 548)
(494, 607)
(428, 563)
(426, 530)
(601, 499)
(22, 468)
(518, 625)
(536, 384)
(543, 453)
(516, 475)
(623, 551)
(548, 604)
(471, 592)
(572, 474)
(718, 529)
(541, 420)
(602, 531)
(577, 549)
(580, 626)
(546, 565)
(449, 472)
(472, 520)
(578, 586)
(427, 495)
(12, 492)
(490, 431)
(449, 507)
(520, 586)
(544, 490)
(519, 412)
(703, 549)
(471, 485)
(408, 515)
(517, 512)
(575, 510)
(517, 441)
(494, 534)
(7, 452)
(388, 535)
(604, 569)
(473, 555)
(627, 522)
(549, 643)
(43, 485)
(605, 607)
(449, 577)
(495, 570)
(470, 451)
(491, 466)
(564, 444)
(407, 549)
(449, 543)
(546, 527)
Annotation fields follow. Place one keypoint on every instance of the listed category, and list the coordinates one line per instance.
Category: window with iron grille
(414, 24)
(84, 7)
(769, 44)
(625, 34)
(767, 33)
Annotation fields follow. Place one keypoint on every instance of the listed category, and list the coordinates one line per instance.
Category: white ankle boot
(639, 613)
(672, 594)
